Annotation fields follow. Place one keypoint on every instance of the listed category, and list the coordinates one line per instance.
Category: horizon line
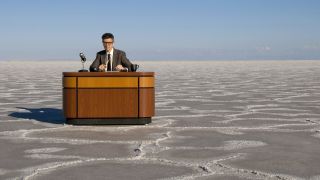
(74, 60)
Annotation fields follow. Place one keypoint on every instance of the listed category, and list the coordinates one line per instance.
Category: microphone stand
(83, 70)
(83, 60)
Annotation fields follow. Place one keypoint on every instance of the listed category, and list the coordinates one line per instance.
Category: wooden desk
(108, 97)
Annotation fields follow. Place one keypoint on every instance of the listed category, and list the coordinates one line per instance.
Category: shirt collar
(111, 52)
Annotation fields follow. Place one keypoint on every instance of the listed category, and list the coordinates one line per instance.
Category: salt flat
(214, 120)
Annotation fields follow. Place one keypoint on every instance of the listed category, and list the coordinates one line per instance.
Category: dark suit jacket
(119, 57)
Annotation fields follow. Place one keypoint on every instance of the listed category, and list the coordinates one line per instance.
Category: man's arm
(125, 61)
(95, 64)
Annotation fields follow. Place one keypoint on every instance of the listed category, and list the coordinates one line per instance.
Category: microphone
(83, 58)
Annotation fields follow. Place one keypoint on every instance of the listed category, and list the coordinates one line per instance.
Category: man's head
(107, 40)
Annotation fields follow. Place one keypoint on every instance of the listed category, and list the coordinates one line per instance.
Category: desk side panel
(69, 82)
(146, 102)
(146, 82)
(108, 103)
(69, 103)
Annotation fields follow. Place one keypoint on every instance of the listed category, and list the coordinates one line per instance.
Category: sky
(161, 30)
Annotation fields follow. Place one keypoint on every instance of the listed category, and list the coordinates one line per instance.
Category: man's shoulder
(101, 52)
(119, 51)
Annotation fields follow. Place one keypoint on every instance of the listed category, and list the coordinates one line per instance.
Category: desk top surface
(108, 74)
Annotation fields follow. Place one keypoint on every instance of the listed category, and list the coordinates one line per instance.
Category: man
(110, 59)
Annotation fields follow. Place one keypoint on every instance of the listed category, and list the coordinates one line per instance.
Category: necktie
(109, 63)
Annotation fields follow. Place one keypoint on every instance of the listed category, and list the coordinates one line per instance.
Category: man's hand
(120, 67)
(102, 67)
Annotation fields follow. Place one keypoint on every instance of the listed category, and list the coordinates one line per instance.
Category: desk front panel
(111, 103)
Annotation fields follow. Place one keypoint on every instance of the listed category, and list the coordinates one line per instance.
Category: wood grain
(69, 82)
(146, 102)
(107, 82)
(146, 81)
(69, 103)
(107, 103)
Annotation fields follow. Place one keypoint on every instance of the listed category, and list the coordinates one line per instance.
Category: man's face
(108, 44)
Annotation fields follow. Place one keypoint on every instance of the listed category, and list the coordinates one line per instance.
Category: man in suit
(110, 59)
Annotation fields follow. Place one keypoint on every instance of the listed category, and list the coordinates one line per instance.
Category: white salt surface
(214, 120)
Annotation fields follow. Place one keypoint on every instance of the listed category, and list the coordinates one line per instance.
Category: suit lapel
(104, 58)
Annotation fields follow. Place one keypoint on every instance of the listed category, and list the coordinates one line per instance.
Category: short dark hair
(107, 35)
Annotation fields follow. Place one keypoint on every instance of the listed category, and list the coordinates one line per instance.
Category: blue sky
(161, 30)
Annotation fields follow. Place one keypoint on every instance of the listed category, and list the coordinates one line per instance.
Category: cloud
(264, 49)
(315, 47)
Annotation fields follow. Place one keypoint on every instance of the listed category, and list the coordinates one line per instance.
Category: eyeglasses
(107, 42)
